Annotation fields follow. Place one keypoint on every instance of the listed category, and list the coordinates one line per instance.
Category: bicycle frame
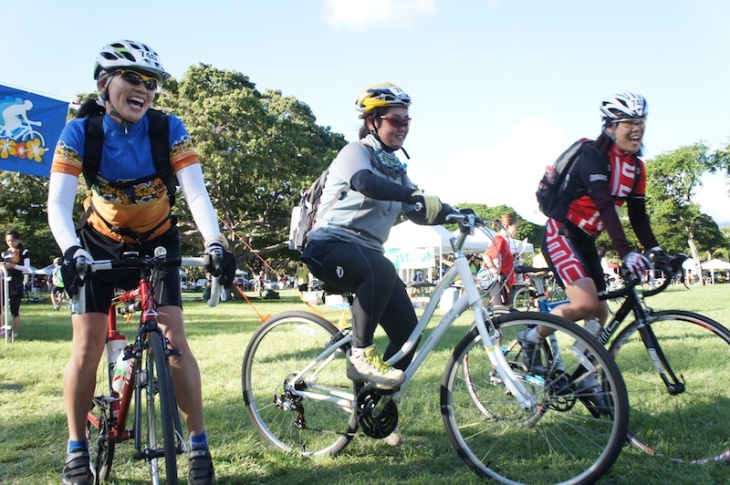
(470, 299)
(632, 304)
(119, 403)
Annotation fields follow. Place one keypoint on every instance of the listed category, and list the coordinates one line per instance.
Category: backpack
(304, 214)
(159, 141)
(555, 179)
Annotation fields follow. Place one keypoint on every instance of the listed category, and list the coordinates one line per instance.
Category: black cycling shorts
(101, 286)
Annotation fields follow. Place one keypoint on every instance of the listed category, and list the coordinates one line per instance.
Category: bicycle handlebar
(160, 260)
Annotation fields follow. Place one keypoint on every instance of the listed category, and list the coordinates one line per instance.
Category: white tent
(716, 265)
(408, 235)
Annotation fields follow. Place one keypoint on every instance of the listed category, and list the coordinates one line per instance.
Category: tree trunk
(696, 258)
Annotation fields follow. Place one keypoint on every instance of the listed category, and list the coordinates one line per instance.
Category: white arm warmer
(61, 196)
(196, 195)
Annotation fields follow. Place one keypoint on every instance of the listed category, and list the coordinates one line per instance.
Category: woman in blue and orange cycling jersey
(606, 175)
(128, 210)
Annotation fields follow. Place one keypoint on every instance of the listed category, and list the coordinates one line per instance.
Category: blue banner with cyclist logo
(30, 125)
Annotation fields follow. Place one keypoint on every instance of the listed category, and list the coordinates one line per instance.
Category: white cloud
(359, 15)
(506, 172)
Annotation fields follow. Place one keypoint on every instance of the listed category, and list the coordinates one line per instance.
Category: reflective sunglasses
(397, 122)
(135, 78)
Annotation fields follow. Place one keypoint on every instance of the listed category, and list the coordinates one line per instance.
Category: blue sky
(499, 87)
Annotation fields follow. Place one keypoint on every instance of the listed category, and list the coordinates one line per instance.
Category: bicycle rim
(101, 447)
(691, 426)
(565, 438)
(161, 436)
(278, 351)
(523, 301)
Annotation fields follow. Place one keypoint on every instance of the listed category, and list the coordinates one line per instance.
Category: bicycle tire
(562, 439)
(159, 384)
(691, 426)
(101, 447)
(522, 300)
(278, 350)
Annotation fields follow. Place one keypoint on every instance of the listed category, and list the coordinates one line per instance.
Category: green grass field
(33, 427)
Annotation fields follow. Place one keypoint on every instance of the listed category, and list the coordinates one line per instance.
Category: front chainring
(375, 426)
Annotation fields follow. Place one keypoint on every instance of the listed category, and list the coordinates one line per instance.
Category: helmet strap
(387, 148)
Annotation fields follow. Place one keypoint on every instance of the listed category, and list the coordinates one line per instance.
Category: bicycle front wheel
(572, 433)
(312, 414)
(101, 445)
(688, 423)
(162, 440)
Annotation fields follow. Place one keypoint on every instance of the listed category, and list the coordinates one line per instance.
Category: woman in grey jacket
(366, 190)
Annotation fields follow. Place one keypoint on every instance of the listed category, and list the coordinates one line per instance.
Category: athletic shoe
(77, 470)
(201, 468)
(589, 391)
(394, 438)
(366, 365)
(530, 353)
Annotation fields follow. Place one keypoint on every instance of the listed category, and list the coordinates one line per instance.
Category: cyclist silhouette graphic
(15, 122)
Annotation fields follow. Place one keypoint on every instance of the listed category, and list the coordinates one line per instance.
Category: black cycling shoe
(201, 468)
(77, 470)
(592, 395)
(530, 353)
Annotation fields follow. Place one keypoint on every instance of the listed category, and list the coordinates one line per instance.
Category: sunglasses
(640, 122)
(397, 122)
(135, 79)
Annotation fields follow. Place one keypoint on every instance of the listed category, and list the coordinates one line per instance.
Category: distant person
(58, 290)
(500, 261)
(15, 260)
(302, 277)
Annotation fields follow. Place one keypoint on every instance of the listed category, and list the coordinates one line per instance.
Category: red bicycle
(139, 372)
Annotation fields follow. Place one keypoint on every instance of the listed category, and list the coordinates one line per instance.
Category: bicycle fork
(673, 384)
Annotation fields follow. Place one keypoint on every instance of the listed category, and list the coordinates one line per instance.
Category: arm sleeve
(196, 195)
(61, 196)
(375, 187)
(640, 222)
(604, 203)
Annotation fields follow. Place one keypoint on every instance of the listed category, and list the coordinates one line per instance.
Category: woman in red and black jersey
(607, 175)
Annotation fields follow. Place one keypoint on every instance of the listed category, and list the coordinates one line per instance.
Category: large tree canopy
(258, 151)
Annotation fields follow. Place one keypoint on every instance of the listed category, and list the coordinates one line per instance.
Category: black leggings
(380, 295)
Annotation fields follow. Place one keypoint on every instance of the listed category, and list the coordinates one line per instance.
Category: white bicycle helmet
(624, 105)
(383, 95)
(129, 54)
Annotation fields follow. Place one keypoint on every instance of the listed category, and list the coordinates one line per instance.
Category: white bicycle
(508, 422)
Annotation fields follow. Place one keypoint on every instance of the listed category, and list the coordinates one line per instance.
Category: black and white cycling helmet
(624, 105)
(129, 54)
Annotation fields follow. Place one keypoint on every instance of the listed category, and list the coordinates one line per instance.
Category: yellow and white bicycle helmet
(384, 95)
(129, 54)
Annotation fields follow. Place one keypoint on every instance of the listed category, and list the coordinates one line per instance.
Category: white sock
(534, 337)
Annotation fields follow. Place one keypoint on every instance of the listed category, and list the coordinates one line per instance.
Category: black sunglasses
(135, 78)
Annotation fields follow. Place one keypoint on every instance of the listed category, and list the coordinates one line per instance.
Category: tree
(675, 176)
(258, 151)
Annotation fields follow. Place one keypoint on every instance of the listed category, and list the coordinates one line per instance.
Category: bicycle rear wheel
(692, 425)
(101, 447)
(523, 300)
(162, 439)
(575, 431)
(323, 422)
